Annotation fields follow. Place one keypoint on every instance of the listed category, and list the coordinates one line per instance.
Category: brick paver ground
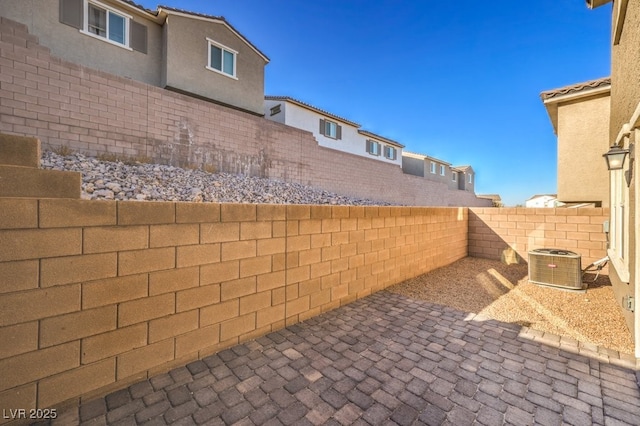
(385, 359)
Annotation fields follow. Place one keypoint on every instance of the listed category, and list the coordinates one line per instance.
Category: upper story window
(103, 22)
(275, 110)
(433, 167)
(222, 59)
(441, 170)
(390, 152)
(454, 176)
(330, 129)
(373, 147)
(470, 178)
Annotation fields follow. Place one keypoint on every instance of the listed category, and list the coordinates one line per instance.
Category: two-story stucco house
(436, 170)
(192, 53)
(580, 117)
(332, 131)
(624, 134)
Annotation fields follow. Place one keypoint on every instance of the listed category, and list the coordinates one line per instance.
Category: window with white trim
(330, 129)
(104, 22)
(373, 147)
(433, 167)
(441, 170)
(470, 179)
(221, 59)
(454, 176)
(390, 152)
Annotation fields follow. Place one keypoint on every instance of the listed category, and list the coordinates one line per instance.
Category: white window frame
(433, 168)
(108, 9)
(374, 148)
(470, 180)
(619, 229)
(223, 48)
(454, 176)
(442, 173)
(390, 153)
(331, 129)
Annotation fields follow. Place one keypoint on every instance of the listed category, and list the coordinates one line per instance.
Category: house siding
(186, 61)
(625, 97)
(583, 128)
(68, 43)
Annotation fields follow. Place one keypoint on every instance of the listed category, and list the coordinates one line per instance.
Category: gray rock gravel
(106, 180)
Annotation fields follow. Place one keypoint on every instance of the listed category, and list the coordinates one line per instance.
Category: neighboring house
(188, 52)
(332, 131)
(542, 201)
(433, 169)
(624, 133)
(580, 117)
(496, 200)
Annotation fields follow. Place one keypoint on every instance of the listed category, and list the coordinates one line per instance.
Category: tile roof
(576, 88)
(381, 138)
(311, 107)
(423, 156)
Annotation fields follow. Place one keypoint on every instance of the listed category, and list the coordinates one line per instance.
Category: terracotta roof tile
(575, 88)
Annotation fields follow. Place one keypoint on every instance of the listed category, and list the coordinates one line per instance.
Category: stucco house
(624, 133)
(542, 201)
(332, 131)
(579, 114)
(192, 53)
(436, 170)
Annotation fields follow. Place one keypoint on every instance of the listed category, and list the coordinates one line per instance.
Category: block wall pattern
(97, 295)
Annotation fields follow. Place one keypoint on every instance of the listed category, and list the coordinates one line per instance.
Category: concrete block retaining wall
(96, 295)
(509, 233)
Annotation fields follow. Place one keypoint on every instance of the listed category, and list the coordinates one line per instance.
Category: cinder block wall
(96, 295)
(64, 104)
(504, 233)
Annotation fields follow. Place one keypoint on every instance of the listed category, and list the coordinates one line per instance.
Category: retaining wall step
(19, 151)
(27, 182)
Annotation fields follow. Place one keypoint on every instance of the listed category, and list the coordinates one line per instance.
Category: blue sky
(457, 80)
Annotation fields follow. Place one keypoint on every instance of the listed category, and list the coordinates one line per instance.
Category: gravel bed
(503, 292)
(115, 180)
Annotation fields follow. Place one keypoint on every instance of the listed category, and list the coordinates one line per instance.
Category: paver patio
(386, 359)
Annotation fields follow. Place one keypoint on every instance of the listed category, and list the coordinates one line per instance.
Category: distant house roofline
(551, 98)
(311, 108)
(380, 138)
(423, 157)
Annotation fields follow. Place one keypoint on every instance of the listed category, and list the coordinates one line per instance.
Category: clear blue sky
(457, 80)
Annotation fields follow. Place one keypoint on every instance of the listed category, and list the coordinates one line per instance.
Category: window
(222, 59)
(103, 22)
(470, 180)
(441, 170)
(619, 244)
(275, 109)
(390, 152)
(454, 176)
(373, 147)
(330, 129)
(433, 167)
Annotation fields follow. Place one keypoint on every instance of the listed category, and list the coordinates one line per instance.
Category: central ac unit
(555, 267)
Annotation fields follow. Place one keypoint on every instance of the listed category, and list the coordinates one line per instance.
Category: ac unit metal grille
(554, 267)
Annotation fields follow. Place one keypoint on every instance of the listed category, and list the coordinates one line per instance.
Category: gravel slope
(502, 292)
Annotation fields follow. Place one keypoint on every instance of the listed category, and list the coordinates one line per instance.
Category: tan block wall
(96, 295)
(64, 104)
(508, 233)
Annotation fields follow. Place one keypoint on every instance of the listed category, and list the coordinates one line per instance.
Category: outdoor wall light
(615, 157)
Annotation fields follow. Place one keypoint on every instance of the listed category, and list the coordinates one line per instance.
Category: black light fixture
(615, 157)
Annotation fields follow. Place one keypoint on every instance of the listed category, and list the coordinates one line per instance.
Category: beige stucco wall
(625, 97)
(186, 61)
(583, 129)
(42, 18)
